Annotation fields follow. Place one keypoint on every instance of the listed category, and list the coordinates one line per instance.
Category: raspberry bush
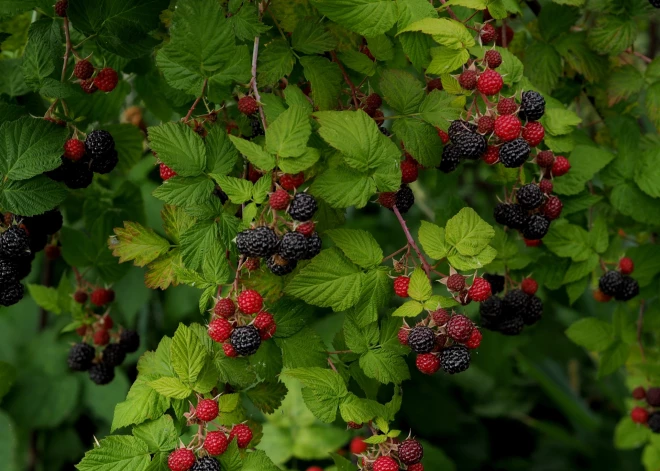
(314, 235)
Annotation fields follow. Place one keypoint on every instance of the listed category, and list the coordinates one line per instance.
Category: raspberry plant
(303, 226)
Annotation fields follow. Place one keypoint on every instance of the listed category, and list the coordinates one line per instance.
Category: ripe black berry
(38, 240)
(410, 452)
(302, 207)
(529, 196)
(206, 463)
(491, 308)
(77, 174)
(496, 282)
(470, 145)
(628, 289)
(421, 339)
(293, 246)
(610, 282)
(245, 339)
(244, 242)
(534, 310)
(404, 199)
(511, 215)
(99, 143)
(8, 271)
(101, 373)
(536, 227)
(451, 157)
(512, 325)
(14, 243)
(130, 340)
(314, 244)
(114, 354)
(257, 129)
(532, 106)
(104, 163)
(81, 356)
(514, 303)
(514, 153)
(654, 419)
(280, 266)
(459, 127)
(455, 359)
(259, 242)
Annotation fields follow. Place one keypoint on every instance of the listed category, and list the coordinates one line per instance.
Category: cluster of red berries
(518, 307)
(648, 414)
(241, 330)
(618, 284)
(479, 290)
(391, 455)
(92, 79)
(489, 33)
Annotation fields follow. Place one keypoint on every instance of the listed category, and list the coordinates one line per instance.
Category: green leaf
(472, 262)
(179, 147)
(359, 340)
(445, 59)
(436, 302)
(579, 56)
(432, 239)
(409, 309)
(445, 31)
(612, 34)
(624, 82)
(187, 354)
(652, 103)
(385, 366)
(342, 187)
(401, 90)
(303, 349)
(630, 201)
(420, 287)
(137, 243)
(45, 297)
(420, 140)
(159, 434)
(591, 333)
(330, 280)
(254, 153)
(647, 172)
(116, 452)
(221, 154)
(267, 396)
(468, 233)
(375, 293)
(246, 23)
(325, 79)
(31, 197)
(360, 411)
(568, 240)
(342, 464)
(629, 435)
(359, 246)
(170, 387)
(543, 65)
(598, 235)
(585, 161)
(439, 108)
(299, 164)
(323, 390)
(237, 189)
(312, 38)
(275, 61)
(261, 188)
(287, 136)
(43, 46)
(365, 17)
(185, 191)
(613, 358)
(558, 121)
(359, 62)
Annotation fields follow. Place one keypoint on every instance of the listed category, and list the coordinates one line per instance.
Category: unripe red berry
(207, 410)
(507, 106)
(561, 166)
(444, 136)
(243, 435)
(485, 124)
(529, 286)
(493, 59)
(279, 199)
(166, 173)
(403, 336)
(387, 199)
(409, 171)
(80, 297)
(508, 34)
(410, 451)
(251, 264)
(306, 228)
(101, 337)
(88, 86)
(354, 426)
(434, 84)
(74, 149)
(639, 393)
(225, 307)
(532, 242)
(552, 208)
(250, 302)
(487, 33)
(440, 317)
(475, 339)
(61, 7)
(416, 467)
(385, 463)
(229, 350)
(480, 290)
(533, 133)
(291, 182)
(102, 296)
(83, 69)
(468, 79)
(220, 330)
(492, 155)
(374, 101)
(639, 415)
(106, 80)
(545, 159)
(401, 286)
(490, 82)
(358, 446)
(248, 105)
(460, 327)
(456, 282)
(546, 186)
(427, 363)
(507, 127)
(263, 320)
(626, 266)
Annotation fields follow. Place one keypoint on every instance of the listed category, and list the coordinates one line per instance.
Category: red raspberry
(106, 322)
(532, 242)
(456, 282)
(533, 133)
(252, 264)
(485, 124)
(60, 8)
(243, 435)
(101, 337)
(490, 82)
(444, 136)
(314, 468)
(492, 155)
(403, 336)
(493, 59)
(83, 70)
(529, 286)
(508, 32)
(639, 393)
(268, 332)
(440, 317)
(229, 350)
(434, 84)
(416, 467)
(387, 199)
(487, 33)
(358, 446)
(279, 199)
(216, 442)
(253, 174)
(220, 330)
(181, 459)
(306, 228)
(248, 105)
(552, 208)
(639, 415)
(507, 106)
(385, 463)
(601, 297)
(561, 166)
(410, 451)
(291, 182)
(250, 302)
(468, 79)
(427, 363)
(409, 171)
(106, 80)
(507, 127)
(460, 327)
(475, 339)
(225, 307)
(546, 186)
(480, 290)
(166, 173)
(52, 252)
(207, 410)
(80, 297)
(354, 426)
(545, 159)
(102, 296)
(263, 320)
(401, 286)
(82, 331)
(88, 86)
(626, 266)
(74, 149)
(374, 101)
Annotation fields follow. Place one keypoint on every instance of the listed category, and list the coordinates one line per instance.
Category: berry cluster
(510, 313)
(21, 238)
(648, 414)
(479, 290)
(403, 199)
(81, 160)
(106, 79)
(618, 284)
(241, 331)
(391, 455)
(298, 240)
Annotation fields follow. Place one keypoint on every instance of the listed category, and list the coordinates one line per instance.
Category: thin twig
(411, 242)
(449, 10)
(347, 79)
(646, 59)
(67, 50)
(253, 81)
(392, 255)
(194, 105)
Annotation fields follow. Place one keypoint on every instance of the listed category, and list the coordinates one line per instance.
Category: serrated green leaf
(432, 239)
(221, 154)
(402, 91)
(238, 190)
(612, 34)
(365, 17)
(159, 434)
(436, 302)
(419, 287)
(275, 61)
(359, 246)
(325, 78)
(342, 187)
(254, 153)
(613, 358)
(629, 435)
(359, 62)
(185, 191)
(647, 172)
(267, 396)
(375, 292)
(385, 366)
(591, 333)
(445, 59)
(439, 108)
(301, 163)
(287, 136)
(312, 38)
(187, 354)
(445, 31)
(585, 162)
(45, 297)
(179, 147)
(409, 309)
(358, 410)
(568, 240)
(31, 197)
(468, 233)
(420, 140)
(116, 452)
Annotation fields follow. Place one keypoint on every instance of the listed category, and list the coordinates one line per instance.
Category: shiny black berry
(451, 157)
(535, 227)
(313, 246)
(8, 271)
(510, 215)
(421, 339)
(130, 340)
(470, 145)
(514, 153)
(514, 303)
(114, 354)
(654, 418)
(458, 127)
(534, 310)
(609, 283)
(259, 242)
(101, 373)
(532, 106)
(455, 359)
(512, 325)
(302, 207)
(78, 175)
(491, 308)
(628, 289)
(293, 246)
(99, 143)
(245, 339)
(244, 242)
(206, 463)
(38, 240)
(404, 199)
(14, 243)
(104, 163)
(496, 282)
(81, 356)
(280, 266)
(529, 196)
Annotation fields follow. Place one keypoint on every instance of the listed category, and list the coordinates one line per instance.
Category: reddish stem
(346, 79)
(411, 242)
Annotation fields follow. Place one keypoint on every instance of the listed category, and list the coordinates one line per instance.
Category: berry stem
(646, 59)
(194, 105)
(449, 10)
(392, 255)
(253, 81)
(67, 50)
(346, 79)
(411, 242)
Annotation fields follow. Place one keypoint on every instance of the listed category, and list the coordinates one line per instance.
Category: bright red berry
(254, 174)
(102, 296)
(529, 286)
(460, 327)
(444, 136)
(416, 467)
(250, 302)
(80, 297)
(507, 106)
(561, 166)
(507, 127)
(434, 84)
(83, 69)
(314, 468)
(490, 82)
(440, 317)
(60, 8)
(552, 208)
(487, 33)
(480, 290)
(387, 199)
(291, 182)
(220, 330)
(410, 451)
(166, 173)
(468, 79)
(403, 336)
(409, 171)
(74, 149)
(626, 266)
(207, 410)
(427, 363)
(639, 393)
(492, 155)
(306, 228)
(401, 286)
(101, 337)
(268, 332)
(216, 442)
(88, 86)
(533, 133)
(358, 446)
(545, 159)
(532, 242)
(229, 350)
(279, 199)
(106, 322)
(493, 59)
(225, 307)
(263, 320)
(639, 415)
(385, 463)
(106, 80)
(485, 124)
(475, 339)
(546, 186)
(248, 105)
(456, 282)
(243, 435)
(181, 459)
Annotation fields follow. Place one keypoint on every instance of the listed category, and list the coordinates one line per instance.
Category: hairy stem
(411, 242)
(253, 82)
(194, 105)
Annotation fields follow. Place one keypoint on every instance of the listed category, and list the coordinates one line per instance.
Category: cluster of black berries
(80, 162)
(22, 238)
(403, 199)
(101, 368)
(283, 253)
(510, 313)
(466, 143)
(620, 286)
(649, 413)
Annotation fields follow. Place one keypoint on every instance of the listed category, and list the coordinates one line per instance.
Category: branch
(67, 51)
(646, 59)
(253, 82)
(346, 79)
(194, 105)
(411, 242)
(450, 11)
